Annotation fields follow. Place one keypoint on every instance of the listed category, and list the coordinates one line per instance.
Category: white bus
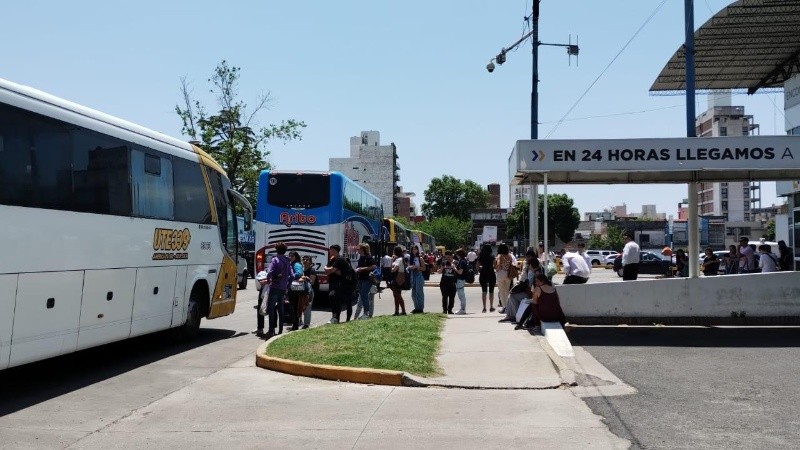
(108, 230)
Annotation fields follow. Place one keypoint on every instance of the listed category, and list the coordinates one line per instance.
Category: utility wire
(563, 118)
(627, 113)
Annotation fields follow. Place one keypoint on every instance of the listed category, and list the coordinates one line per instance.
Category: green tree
(612, 241)
(562, 218)
(447, 230)
(449, 196)
(770, 230)
(231, 136)
(518, 219)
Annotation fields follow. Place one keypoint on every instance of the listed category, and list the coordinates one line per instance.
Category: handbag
(264, 296)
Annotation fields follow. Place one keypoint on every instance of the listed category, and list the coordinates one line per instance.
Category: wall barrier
(752, 299)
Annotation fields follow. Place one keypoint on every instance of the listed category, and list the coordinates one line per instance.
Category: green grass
(403, 343)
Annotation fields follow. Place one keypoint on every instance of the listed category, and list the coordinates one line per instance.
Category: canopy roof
(750, 44)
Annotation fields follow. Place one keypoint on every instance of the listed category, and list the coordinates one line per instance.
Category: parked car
(649, 263)
(598, 257)
(609, 261)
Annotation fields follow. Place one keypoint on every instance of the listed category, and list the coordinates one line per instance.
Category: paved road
(700, 387)
(148, 392)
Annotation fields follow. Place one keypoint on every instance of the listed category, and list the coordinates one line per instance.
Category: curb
(566, 374)
(333, 373)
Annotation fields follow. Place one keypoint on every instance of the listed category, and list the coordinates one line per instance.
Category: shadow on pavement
(685, 337)
(37, 382)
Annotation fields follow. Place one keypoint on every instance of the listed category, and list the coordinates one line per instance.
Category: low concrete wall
(769, 298)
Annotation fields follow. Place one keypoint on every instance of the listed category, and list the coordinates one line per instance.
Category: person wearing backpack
(416, 268)
(767, 262)
(341, 279)
(447, 283)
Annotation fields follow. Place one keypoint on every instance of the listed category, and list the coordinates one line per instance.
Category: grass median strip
(403, 343)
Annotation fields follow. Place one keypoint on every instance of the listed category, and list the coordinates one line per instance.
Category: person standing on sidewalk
(386, 269)
(279, 275)
(630, 258)
(398, 279)
(471, 258)
(486, 275)
(416, 268)
(340, 293)
(447, 284)
(502, 264)
(366, 264)
(309, 276)
(460, 267)
(575, 266)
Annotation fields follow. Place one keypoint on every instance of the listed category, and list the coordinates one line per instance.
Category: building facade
(373, 166)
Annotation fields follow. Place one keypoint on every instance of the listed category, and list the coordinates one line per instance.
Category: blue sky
(413, 70)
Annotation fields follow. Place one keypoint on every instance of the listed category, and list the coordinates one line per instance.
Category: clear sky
(413, 70)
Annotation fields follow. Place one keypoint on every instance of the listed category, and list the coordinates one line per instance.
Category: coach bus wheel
(191, 328)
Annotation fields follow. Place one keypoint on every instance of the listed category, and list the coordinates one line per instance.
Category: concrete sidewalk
(479, 352)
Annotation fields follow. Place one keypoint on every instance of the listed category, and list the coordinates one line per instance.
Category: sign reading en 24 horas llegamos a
(721, 153)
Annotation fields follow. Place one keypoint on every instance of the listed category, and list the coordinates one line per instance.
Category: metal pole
(694, 238)
(546, 251)
(534, 192)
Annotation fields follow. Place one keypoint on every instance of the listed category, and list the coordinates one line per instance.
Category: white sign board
(490, 234)
(791, 92)
(657, 160)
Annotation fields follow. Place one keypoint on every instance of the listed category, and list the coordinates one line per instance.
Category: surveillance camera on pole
(490, 67)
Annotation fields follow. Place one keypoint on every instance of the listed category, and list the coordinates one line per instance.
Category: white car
(598, 257)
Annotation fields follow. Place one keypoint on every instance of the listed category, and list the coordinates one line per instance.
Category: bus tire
(191, 328)
(243, 281)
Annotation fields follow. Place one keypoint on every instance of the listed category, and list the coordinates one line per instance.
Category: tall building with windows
(373, 166)
(733, 202)
(517, 193)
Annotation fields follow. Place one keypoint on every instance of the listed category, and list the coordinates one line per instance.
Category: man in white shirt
(386, 269)
(471, 258)
(574, 266)
(582, 252)
(767, 262)
(630, 258)
(747, 260)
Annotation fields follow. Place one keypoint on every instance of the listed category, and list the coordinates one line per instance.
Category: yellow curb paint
(326, 372)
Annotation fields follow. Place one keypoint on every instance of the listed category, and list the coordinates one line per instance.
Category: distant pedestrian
(731, 261)
(399, 277)
(767, 262)
(747, 259)
(366, 264)
(576, 268)
(502, 265)
(461, 265)
(471, 258)
(310, 276)
(447, 283)
(297, 294)
(681, 263)
(341, 293)
(711, 263)
(279, 276)
(386, 269)
(486, 275)
(416, 269)
(785, 257)
(630, 258)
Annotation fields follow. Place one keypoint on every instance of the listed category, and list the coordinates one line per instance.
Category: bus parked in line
(426, 242)
(398, 235)
(109, 230)
(309, 212)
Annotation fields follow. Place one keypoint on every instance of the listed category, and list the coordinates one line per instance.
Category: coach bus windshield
(293, 190)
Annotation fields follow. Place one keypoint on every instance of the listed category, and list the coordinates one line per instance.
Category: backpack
(469, 274)
(349, 278)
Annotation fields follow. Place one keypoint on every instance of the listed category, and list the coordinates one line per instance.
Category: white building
(373, 166)
(517, 193)
(730, 201)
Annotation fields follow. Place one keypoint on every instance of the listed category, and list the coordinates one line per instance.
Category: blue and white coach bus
(310, 211)
(108, 230)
